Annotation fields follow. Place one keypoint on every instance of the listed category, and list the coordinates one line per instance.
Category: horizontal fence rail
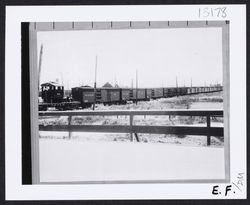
(180, 112)
(135, 129)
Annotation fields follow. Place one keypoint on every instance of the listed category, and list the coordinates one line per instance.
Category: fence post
(69, 123)
(131, 124)
(208, 126)
(137, 137)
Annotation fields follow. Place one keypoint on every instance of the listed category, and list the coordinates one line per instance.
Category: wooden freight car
(84, 94)
(182, 91)
(157, 93)
(149, 93)
(125, 95)
(170, 92)
(189, 91)
(141, 94)
(109, 95)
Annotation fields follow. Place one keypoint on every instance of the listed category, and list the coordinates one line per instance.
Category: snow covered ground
(71, 160)
(200, 101)
(112, 156)
(188, 140)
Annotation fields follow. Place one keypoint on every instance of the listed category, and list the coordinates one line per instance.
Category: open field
(200, 101)
(74, 161)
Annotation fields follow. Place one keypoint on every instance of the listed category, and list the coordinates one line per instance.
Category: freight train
(84, 96)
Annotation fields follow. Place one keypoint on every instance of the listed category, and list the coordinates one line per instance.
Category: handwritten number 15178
(219, 12)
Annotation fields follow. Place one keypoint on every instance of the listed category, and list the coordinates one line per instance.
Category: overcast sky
(159, 55)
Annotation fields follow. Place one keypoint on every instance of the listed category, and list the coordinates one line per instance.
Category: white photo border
(15, 15)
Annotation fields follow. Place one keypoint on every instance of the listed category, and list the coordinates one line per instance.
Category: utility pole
(68, 84)
(62, 83)
(40, 65)
(62, 78)
(191, 83)
(176, 82)
(136, 91)
(95, 83)
(115, 81)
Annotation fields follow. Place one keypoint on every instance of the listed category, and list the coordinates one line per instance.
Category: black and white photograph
(125, 102)
(130, 101)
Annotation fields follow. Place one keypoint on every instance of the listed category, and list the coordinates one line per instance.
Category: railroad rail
(207, 131)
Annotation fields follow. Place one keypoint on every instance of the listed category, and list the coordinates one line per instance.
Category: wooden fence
(207, 131)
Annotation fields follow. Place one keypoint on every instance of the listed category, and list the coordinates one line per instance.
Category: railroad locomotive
(84, 96)
(52, 94)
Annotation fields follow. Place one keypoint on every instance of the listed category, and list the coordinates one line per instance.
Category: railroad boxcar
(193, 90)
(149, 93)
(103, 96)
(141, 94)
(171, 92)
(110, 95)
(178, 91)
(165, 92)
(84, 94)
(189, 91)
(182, 91)
(125, 95)
(157, 93)
(114, 94)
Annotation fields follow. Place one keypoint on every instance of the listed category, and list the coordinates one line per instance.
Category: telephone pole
(176, 82)
(95, 83)
(40, 66)
(62, 78)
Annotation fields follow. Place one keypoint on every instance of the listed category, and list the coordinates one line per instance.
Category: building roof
(107, 85)
(84, 87)
(51, 83)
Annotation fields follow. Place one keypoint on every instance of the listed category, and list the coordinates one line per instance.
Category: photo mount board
(77, 26)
